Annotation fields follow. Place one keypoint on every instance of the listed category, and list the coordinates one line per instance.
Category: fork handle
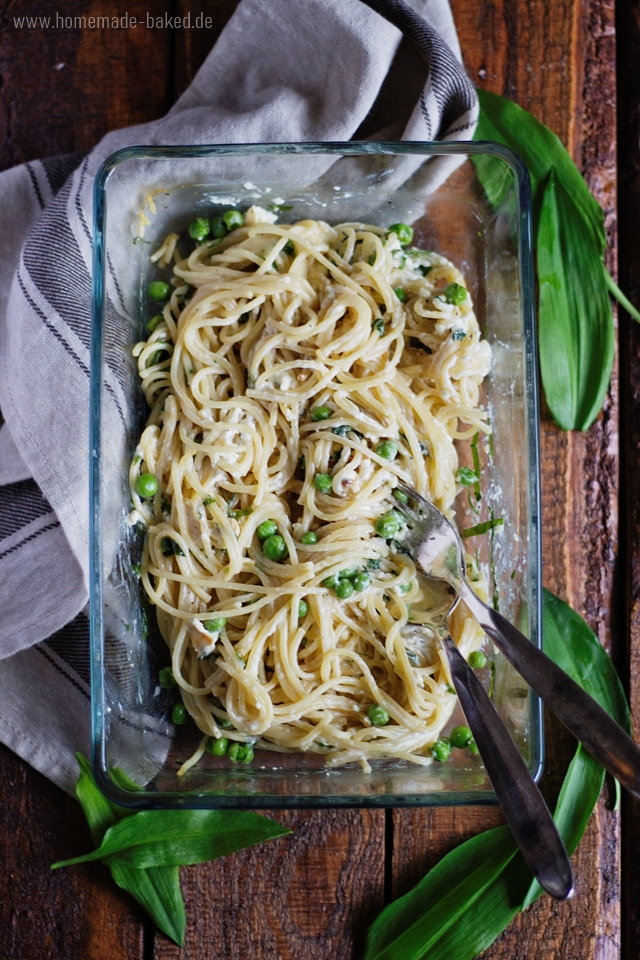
(588, 722)
(522, 803)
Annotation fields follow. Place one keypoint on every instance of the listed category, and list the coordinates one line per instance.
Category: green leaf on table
(505, 122)
(470, 897)
(576, 336)
(157, 889)
(411, 927)
(167, 838)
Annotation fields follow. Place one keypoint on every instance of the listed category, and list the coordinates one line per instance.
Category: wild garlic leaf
(157, 889)
(576, 336)
(167, 838)
(412, 926)
(542, 151)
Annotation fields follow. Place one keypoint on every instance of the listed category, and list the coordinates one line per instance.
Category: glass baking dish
(141, 194)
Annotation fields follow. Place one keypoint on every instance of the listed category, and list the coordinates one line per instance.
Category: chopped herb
(465, 476)
(424, 268)
(374, 563)
(458, 335)
(170, 547)
(378, 324)
(372, 258)
(401, 294)
(483, 527)
(289, 248)
(237, 514)
(207, 501)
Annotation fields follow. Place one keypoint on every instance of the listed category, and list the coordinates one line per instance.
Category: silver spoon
(436, 546)
(522, 803)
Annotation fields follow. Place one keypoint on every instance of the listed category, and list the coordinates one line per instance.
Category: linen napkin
(287, 71)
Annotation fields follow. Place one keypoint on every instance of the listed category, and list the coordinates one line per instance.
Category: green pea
(461, 737)
(218, 228)
(166, 678)
(387, 450)
(321, 413)
(224, 723)
(387, 525)
(465, 476)
(322, 482)
(400, 496)
(477, 660)
(179, 714)
(309, 537)
(378, 715)
(403, 232)
(455, 293)
(348, 573)
(240, 752)
(267, 529)
(361, 581)
(378, 324)
(199, 229)
(441, 750)
(401, 294)
(154, 322)
(232, 219)
(473, 747)
(216, 625)
(275, 548)
(303, 609)
(218, 746)
(330, 582)
(146, 485)
(344, 589)
(159, 290)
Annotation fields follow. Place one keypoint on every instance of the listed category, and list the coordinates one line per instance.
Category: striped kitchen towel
(378, 69)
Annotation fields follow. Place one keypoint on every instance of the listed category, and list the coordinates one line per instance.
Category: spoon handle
(522, 803)
(588, 722)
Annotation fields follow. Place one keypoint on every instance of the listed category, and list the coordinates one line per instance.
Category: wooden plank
(69, 914)
(629, 207)
(559, 63)
(61, 90)
(308, 896)
(64, 88)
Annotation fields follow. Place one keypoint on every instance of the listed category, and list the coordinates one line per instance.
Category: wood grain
(629, 180)
(69, 913)
(309, 896)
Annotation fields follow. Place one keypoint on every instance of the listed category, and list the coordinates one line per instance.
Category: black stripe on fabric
(58, 169)
(35, 185)
(67, 346)
(454, 94)
(78, 205)
(69, 291)
(115, 282)
(20, 503)
(71, 644)
(56, 666)
(50, 526)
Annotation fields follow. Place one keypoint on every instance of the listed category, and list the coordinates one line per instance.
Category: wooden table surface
(312, 895)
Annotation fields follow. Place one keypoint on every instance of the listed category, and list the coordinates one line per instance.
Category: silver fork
(436, 546)
(522, 803)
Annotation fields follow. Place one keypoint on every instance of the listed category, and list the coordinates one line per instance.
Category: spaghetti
(297, 374)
